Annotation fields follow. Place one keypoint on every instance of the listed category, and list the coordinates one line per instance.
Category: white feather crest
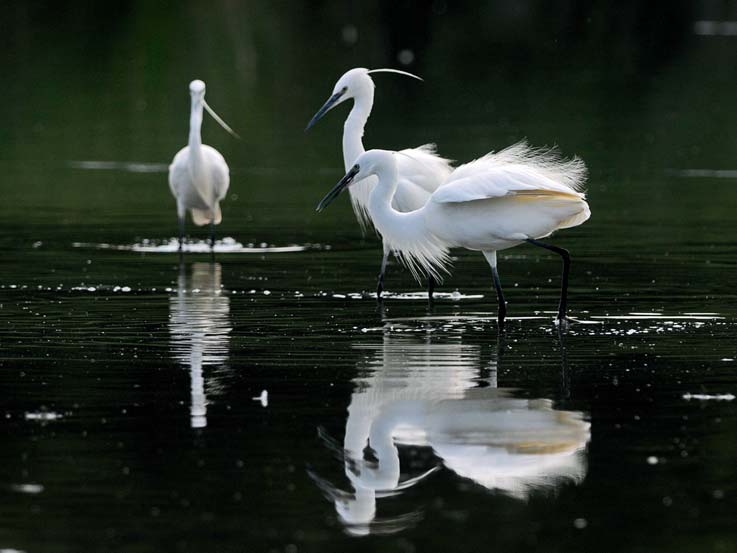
(397, 71)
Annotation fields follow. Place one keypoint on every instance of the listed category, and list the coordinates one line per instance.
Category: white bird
(493, 203)
(198, 175)
(419, 174)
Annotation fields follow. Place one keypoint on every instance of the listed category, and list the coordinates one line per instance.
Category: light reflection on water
(171, 245)
(199, 328)
(420, 393)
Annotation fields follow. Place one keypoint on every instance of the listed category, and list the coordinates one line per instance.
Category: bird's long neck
(195, 135)
(393, 225)
(354, 126)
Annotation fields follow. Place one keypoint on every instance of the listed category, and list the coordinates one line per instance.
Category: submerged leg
(564, 279)
(502, 314)
(380, 284)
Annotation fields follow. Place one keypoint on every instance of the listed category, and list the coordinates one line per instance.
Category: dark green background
(628, 86)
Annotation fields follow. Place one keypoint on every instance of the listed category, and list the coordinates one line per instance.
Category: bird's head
(355, 83)
(367, 164)
(197, 89)
(197, 92)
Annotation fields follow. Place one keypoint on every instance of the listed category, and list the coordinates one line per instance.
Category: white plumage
(199, 176)
(490, 204)
(201, 190)
(420, 171)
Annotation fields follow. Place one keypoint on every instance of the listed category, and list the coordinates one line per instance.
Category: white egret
(198, 175)
(493, 203)
(419, 174)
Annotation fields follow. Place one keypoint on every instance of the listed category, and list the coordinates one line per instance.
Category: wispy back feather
(570, 173)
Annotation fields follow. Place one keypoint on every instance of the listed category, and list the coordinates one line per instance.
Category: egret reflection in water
(440, 396)
(199, 328)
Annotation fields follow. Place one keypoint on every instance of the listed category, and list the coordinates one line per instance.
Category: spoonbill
(496, 202)
(419, 173)
(198, 175)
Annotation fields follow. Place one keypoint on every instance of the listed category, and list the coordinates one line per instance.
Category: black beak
(325, 108)
(338, 188)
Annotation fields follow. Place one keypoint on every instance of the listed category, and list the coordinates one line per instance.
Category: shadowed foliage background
(644, 92)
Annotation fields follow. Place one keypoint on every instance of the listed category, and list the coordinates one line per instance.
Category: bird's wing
(424, 168)
(178, 173)
(487, 182)
(219, 176)
(409, 196)
(221, 180)
(546, 163)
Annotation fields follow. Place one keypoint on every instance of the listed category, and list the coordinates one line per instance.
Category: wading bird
(198, 175)
(419, 173)
(493, 203)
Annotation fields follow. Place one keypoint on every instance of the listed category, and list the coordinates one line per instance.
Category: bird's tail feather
(201, 217)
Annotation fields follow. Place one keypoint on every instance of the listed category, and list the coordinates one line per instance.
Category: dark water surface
(131, 387)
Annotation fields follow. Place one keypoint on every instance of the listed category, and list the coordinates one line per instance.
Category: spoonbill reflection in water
(419, 173)
(198, 175)
(427, 395)
(493, 203)
(199, 328)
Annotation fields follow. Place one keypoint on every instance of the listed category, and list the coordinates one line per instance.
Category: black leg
(564, 279)
(380, 283)
(430, 287)
(212, 240)
(502, 314)
(502, 311)
(181, 233)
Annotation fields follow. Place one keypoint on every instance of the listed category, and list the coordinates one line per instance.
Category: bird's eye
(356, 168)
(344, 89)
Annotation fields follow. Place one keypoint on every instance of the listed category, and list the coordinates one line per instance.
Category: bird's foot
(501, 314)
(501, 319)
(563, 323)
